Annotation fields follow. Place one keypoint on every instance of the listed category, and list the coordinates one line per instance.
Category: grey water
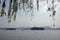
(30, 35)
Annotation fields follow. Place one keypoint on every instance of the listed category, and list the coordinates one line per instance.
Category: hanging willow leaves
(52, 8)
(31, 4)
(20, 4)
(53, 25)
(54, 13)
(2, 13)
(23, 1)
(3, 9)
(3, 5)
(9, 11)
(47, 1)
(52, 1)
(15, 8)
(48, 9)
(9, 16)
(37, 4)
(31, 8)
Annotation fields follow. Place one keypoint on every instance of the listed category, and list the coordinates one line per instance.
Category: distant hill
(37, 28)
(32, 28)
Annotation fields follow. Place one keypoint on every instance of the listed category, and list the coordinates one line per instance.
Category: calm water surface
(30, 35)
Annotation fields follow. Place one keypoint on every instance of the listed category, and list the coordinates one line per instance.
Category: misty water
(29, 13)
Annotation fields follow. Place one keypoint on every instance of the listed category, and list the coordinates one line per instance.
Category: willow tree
(37, 4)
(20, 4)
(53, 13)
(24, 2)
(15, 8)
(31, 8)
(9, 11)
(52, 8)
(3, 8)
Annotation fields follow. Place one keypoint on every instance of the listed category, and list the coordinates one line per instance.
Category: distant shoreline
(32, 28)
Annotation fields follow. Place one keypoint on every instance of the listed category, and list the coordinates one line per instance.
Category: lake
(30, 35)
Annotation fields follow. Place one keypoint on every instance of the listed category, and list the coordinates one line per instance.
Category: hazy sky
(40, 18)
